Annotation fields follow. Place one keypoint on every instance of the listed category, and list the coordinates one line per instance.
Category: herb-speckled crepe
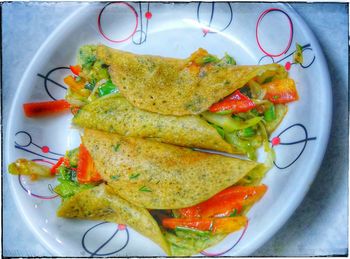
(115, 114)
(100, 203)
(168, 86)
(155, 175)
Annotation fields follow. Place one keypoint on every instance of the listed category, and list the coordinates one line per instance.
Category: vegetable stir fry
(90, 79)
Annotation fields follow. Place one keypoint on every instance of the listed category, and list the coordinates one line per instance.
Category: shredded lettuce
(95, 74)
(186, 242)
(227, 60)
(228, 123)
(67, 177)
(270, 153)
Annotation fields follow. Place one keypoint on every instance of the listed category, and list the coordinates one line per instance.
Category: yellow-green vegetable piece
(27, 167)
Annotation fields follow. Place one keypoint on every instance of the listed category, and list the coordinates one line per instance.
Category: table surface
(318, 226)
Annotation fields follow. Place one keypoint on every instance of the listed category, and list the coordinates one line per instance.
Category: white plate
(252, 33)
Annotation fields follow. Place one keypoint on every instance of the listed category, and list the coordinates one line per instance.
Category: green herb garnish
(234, 213)
(115, 177)
(134, 176)
(145, 189)
(116, 147)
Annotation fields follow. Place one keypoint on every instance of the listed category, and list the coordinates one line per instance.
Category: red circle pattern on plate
(148, 15)
(121, 227)
(276, 141)
(100, 26)
(290, 29)
(45, 149)
(288, 65)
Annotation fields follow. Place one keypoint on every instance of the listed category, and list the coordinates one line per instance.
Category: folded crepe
(113, 113)
(155, 175)
(100, 203)
(171, 86)
(154, 91)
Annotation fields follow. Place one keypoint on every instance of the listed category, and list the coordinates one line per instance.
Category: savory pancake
(114, 114)
(155, 175)
(170, 86)
(99, 203)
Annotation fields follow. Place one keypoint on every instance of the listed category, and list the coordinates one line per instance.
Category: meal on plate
(148, 122)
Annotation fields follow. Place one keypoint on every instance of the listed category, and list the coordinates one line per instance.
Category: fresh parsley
(115, 177)
(116, 147)
(145, 189)
(134, 176)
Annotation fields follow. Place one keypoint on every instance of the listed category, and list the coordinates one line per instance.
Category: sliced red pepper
(95, 176)
(66, 162)
(62, 160)
(45, 108)
(225, 202)
(236, 103)
(216, 225)
(57, 165)
(75, 69)
(86, 171)
(195, 223)
(281, 91)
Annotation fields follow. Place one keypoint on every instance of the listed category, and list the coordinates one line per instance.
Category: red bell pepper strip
(86, 171)
(281, 91)
(75, 69)
(216, 225)
(95, 176)
(57, 165)
(225, 202)
(236, 103)
(45, 108)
